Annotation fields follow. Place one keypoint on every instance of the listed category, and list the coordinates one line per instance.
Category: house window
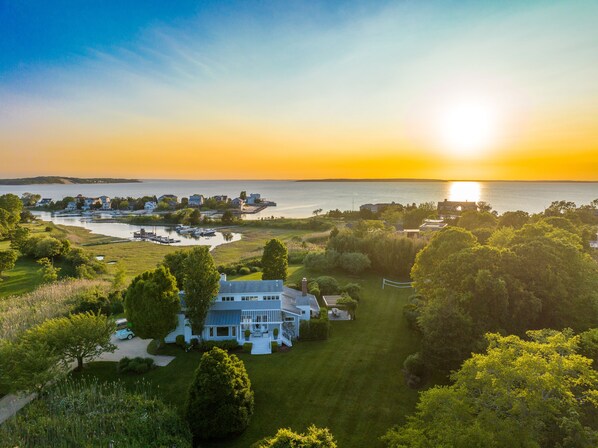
(211, 332)
(271, 298)
(227, 299)
(221, 331)
(248, 297)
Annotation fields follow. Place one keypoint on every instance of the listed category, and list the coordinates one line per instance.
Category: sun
(468, 127)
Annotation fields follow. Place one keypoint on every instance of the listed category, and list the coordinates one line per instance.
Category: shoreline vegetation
(42, 180)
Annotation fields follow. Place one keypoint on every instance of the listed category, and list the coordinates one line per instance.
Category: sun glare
(465, 191)
(468, 127)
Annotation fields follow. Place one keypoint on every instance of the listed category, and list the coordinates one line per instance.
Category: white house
(72, 205)
(260, 306)
(196, 200)
(43, 202)
(237, 203)
(105, 200)
(150, 206)
(254, 198)
(221, 198)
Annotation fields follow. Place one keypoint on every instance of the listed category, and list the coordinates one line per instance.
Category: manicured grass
(351, 383)
(258, 275)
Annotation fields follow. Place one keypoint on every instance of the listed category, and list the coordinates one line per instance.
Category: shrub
(48, 229)
(180, 341)
(274, 346)
(315, 329)
(275, 332)
(353, 289)
(247, 347)
(244, 270)
(220, 401)
(247, 333)
(414, 364)
(227, 344)
(327, 285)
(321, 261)
(136, 365)
(354, 262)
(255, 269)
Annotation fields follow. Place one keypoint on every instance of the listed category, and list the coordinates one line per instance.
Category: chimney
(304, 286)
(223, 277)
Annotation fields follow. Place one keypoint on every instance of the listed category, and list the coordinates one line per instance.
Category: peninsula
(65, 180)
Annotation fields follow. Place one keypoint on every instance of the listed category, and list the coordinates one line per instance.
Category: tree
(275, 260)
(29, 364)
(78, 337)
(354, 262)
(152, 303)
(220, 400)
(8, 258)
(175, 262)
(19, 237)
(120, 276)
(30, 199)
(228, 217)
(317, 211)
(243, 195)
(314, 438)
(515, 219)
(49, 272)
(518, 394)
(201, 284)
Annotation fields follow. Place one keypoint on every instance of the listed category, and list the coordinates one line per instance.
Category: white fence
(400, 285)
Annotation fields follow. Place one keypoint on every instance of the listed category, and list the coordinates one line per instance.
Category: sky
(296, 90)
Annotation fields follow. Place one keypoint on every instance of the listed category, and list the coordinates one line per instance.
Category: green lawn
(351, 383)
(24, 277)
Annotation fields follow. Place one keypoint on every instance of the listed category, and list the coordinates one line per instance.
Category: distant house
(89, 203)
(150, 206)
(106, 204)
(375, 208)
(254, 198)
(44, 202)
(71, 205)
(432, 225)
(196, 200)
(221, 198)
(594, 244)
(237, 203)
(410, 233)
(453, 209)
(170, 199)
(259, 306)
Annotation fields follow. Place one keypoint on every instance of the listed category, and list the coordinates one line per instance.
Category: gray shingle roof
(250, 286)
(247, 305)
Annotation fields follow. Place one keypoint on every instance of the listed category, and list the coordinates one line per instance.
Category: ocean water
(300, 199)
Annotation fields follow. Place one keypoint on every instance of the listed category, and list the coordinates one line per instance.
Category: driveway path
(133, 348)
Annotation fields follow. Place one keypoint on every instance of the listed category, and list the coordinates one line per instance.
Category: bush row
(315, 329)
(136, 365)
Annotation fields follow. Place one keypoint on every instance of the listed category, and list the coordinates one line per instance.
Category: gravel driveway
(133, 348)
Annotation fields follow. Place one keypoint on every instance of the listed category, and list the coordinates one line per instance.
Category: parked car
(121, 324)
(125, 333)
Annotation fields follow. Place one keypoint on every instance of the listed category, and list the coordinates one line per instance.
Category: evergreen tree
(201, 283)
(220, 401)
(275, 260)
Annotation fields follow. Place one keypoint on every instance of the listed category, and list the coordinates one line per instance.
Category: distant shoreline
(63, 180)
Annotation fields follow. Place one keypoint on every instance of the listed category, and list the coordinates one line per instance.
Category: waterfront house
(254, 198)
(150, 206)
(221, 198)
(89, 203)
(106, 204)
(237, 203)
(170, 199)
(453, 209)
(196, 200)
(72, 205)
(375, 208)
(260, 306)
(44, 202)
(432, 225)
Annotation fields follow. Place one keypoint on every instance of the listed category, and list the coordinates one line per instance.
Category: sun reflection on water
(465, 191)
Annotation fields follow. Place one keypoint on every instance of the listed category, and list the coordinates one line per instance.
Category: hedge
(247, 347)
(227, 344)
(135, 365)
(315, 329)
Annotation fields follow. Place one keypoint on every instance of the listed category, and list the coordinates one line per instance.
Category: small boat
(184, 229)
(204, 232)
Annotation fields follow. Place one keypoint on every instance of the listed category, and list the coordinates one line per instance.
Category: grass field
(351, 383)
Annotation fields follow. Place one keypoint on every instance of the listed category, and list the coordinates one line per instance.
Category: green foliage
(19, 237)
(348, 303)
(227, 344)
(588, 345)
(321, 261)
(10, 214)
(137, 365)
(228, 217)
(180, 341)
(354, 262)
(315, 329)
(314, 438)
(247, 347)
(201, 284)
(49, 272)
(152, 302)
(8, 258)
(275, 260)
(275, 333)
(175, 262)
(327, 285)
(220, 401)
(79, 337)
(353, 289)
(518, 394)
(274, 346)
(414, 364)
(516, 220)
(244, 270)
(86, 414)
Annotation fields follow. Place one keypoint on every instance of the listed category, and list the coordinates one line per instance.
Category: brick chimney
(304, 286)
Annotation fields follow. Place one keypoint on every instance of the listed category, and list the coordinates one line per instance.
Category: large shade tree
(275, 260)
(152, 303)
(220, 401)
(520, 393)
(201, 283)
(314, 437)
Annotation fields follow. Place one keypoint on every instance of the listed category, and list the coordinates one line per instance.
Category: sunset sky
(291, 89)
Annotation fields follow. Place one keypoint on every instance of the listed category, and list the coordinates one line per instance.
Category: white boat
(184, 229)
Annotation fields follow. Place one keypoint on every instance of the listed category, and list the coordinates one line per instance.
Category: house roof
(331, 300)
(223, 318)
(250, 286)
(293, 298)
(246, 305)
